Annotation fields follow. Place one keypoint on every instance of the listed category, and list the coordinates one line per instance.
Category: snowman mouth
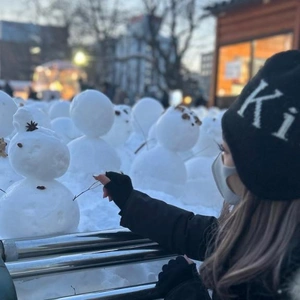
(41, 187)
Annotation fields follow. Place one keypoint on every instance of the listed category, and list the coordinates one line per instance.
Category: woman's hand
(104, 180)
(180, 279)
(175, 272)
(117, 187)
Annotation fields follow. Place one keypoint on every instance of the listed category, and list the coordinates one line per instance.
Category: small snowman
(119, 134)
(59, 108)
(161, 168)
(144, 114)
(7, 109)
(200, 187)
(121, 129)
(93, 114)
(38, 204)
(65, 128)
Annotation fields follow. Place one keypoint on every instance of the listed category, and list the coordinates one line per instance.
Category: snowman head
(60, 108)
(25, 114)
(178, 129)
(92, 113)
(144, 114)
(37, 152)
(121, 129)
(7, 109)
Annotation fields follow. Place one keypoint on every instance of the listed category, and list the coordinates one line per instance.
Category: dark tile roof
(224, 6)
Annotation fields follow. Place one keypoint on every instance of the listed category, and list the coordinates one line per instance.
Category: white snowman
(144, 114)
(93, 114)
(161, 168)
(38, 204)
(7, 109)
(60, 108)
(119, 134)
(200, 187)
(65, 129)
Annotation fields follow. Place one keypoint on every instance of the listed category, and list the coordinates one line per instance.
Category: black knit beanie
(262, 129)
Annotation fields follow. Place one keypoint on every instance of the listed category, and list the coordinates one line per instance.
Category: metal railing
(44, 256)
(141, 292)
(14, 249)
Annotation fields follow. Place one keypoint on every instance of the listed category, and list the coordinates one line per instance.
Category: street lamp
(80, 58)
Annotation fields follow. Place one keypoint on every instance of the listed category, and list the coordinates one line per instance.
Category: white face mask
(221, 173)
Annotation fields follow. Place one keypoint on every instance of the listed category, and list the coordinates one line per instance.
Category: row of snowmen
(44, 144)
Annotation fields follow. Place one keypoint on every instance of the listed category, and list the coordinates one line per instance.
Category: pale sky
(17, 10)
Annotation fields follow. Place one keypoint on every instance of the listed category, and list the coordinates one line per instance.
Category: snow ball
(60, 109)
(178, 129)
(92, 113)
(144, 114)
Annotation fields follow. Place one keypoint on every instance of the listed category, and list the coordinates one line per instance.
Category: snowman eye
(41, 187)
(185, 116)
(180, 108)
(117, 113)
(197, 121)
(20, 145)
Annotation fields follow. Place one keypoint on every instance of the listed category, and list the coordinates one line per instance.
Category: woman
(252, 252)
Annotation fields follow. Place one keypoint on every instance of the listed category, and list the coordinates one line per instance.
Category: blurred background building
(23, 46)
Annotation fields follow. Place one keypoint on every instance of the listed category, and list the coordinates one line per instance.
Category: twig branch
(91, 187)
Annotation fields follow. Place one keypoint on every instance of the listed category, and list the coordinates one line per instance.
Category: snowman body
(161, 167)
(200, 187)
(59, 109)
(119, 134)
(7, 109)
(90, 155)
(93, 114)
(40, 208)
(40, 204)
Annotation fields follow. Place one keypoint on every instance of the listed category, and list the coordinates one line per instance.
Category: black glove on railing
(119, 188)
(173, 274)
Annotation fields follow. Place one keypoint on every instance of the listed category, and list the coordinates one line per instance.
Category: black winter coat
(181, 232)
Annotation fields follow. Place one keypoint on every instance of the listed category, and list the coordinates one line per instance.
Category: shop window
(239, 62)
(233, 69)
(264, 48)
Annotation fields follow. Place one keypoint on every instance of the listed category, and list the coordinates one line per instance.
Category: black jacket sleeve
(175, 229)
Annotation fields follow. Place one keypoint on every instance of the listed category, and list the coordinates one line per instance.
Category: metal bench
(27, 258)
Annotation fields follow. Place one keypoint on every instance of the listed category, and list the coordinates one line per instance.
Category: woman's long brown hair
(251, 244)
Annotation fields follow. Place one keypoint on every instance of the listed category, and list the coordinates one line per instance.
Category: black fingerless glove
(175, 273)
(119, 188)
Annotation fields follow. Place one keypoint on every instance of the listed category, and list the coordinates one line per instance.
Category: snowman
(38, 204)
(93, 114)
(144, 114)
(161, 168)
(119, 134)
(7, 109)
(200, 187)
(60, 108)
(65, 128)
